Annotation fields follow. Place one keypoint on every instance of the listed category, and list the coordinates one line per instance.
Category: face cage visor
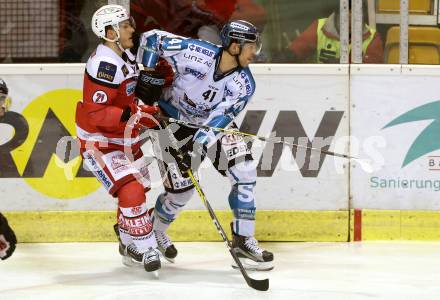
(246, 37)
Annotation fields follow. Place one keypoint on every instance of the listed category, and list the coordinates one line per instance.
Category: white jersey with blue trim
(198, 94)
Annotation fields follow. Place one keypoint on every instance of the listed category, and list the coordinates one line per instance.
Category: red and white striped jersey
(109, 85)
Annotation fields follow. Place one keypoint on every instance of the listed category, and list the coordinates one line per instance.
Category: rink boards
(387, 114)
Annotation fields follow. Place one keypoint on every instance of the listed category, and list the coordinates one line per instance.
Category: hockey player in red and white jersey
(108, 123)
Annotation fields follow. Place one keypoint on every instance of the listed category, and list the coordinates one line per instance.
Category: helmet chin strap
(118, 43)
(116, 40)
(120, 46)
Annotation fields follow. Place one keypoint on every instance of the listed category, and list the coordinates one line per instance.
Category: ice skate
(165, 245)
(131, 256)
(126, 258)
(251, 256)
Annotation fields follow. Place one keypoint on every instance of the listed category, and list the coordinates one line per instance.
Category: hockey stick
(260, 285)
(362, 162)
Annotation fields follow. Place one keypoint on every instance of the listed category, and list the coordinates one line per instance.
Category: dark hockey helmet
(3, 87)
(241, 32)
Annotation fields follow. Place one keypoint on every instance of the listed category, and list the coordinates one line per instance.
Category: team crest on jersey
(124, 70)
(198, 110)
(106, 71)
(99, 97)
(137, 210)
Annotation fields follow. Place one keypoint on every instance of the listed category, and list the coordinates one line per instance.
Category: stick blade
(259, 285)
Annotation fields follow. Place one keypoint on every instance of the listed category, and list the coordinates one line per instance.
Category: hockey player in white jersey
(211, 86)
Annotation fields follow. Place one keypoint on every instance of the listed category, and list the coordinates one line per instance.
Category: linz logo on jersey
(130, 88)
(238, 83)
(106, 71)
(195, 73)
(202, 50)
(197, 59)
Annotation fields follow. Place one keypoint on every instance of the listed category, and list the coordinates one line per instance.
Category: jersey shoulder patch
(100, 97)
(106, 66)
(106, 71)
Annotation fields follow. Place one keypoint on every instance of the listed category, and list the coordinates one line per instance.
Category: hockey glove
(148, 115)
(149, 86)
(7, 239)
(190, 159)
(143, 115)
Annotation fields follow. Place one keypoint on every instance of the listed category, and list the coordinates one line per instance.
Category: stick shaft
(236, 132)
(261, 285)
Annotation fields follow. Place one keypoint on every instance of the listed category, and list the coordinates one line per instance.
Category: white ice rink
(367, 270)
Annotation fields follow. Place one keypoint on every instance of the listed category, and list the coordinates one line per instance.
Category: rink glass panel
(46, 30)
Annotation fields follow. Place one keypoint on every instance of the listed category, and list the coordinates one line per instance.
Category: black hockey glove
(149, 86)
(7, 239)
(190, 158)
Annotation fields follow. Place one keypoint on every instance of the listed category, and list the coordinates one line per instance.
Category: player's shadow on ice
(137, 276)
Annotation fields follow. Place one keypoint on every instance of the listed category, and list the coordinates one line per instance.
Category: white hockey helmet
(108, 15)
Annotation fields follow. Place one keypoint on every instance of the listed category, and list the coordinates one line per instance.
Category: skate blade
(129, 262)
(250, 265)
(171, 260)
(162, 256)
(155, 274)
